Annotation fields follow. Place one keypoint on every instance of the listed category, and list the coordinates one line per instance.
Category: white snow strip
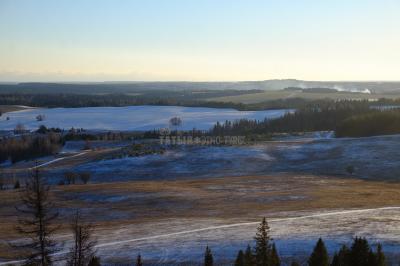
(222, 227)
(57, 160)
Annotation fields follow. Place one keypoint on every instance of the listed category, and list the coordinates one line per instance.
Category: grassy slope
(10, 108)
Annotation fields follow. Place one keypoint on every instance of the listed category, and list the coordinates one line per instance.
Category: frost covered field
(372, 158)
(295, 235)
(129, 118)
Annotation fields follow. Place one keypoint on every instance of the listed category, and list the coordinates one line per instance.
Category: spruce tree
(139, 261)
(380, 256)
(36, 221)
(239, 259)
(275, 260)
(248, 257)
(335, 260)
(208, 257)
(360, 253)
(319, 256)
(295, 263)
(372, 260)
(94, 261)
(344, 256)
(262, 249)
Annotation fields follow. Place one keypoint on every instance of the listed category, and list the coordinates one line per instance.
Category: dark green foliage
(94, 261)
(342, 258)
(139, 261)
(335, 260)
(318, 116)
(380, 256)
(319, 256)
(295, 263)
(274, 260)
(248, 257)
(360, 253)
(208, 257)
(372, 123)
(114, 98)
(17, 185)
(240, 259)
(262, 249)
(43, 130)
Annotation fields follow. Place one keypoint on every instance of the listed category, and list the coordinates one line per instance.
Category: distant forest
(346, 118)
(181, 98)
(168, 98)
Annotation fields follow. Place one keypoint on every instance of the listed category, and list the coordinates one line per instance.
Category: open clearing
(150, 210)
(129, 117)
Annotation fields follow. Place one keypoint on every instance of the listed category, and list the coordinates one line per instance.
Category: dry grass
(224, 198)
(10, 108)
(147, 203)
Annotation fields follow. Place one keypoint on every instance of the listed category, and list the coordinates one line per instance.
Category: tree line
(30, 146)
(190, 98)
(346, 118)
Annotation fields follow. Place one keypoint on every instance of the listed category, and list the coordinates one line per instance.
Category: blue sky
(95, 40)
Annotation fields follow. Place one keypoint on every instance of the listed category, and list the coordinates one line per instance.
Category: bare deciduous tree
(82, 250)
(175, 121)
(85, 177)
(70, 178)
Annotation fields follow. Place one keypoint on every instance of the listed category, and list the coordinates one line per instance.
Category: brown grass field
(230, 198)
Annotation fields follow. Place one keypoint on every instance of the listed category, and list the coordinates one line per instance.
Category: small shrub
(85, 177)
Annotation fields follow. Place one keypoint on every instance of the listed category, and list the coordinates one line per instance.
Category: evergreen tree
(263, 246)
(208, 257)
(335, 260)
(36, 221)
(239, 259)
(139, 261)
(360, 253)
(380, 256)
(372, 259)
(344, 256)
(94, 261)
(319, 256)
(295, 263)
(275, 260)
(248, 257)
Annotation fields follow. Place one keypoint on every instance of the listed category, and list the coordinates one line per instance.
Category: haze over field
(198, 40)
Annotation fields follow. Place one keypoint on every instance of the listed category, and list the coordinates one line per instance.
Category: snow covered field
(129, 118)
(372, 158)
(182, 242)
(295, 235)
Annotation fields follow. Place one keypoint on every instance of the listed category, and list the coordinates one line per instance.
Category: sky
(199, 40)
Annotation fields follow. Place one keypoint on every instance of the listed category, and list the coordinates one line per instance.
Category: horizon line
(190, 81)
